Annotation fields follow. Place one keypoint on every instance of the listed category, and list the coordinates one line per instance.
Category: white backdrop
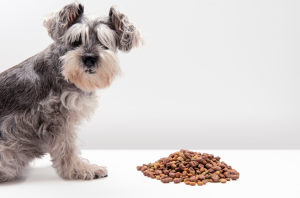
(212, 74)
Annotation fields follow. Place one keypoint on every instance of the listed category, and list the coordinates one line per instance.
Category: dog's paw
(101, 172)
(97, 177)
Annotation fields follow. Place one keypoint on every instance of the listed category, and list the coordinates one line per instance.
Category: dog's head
(92, 42)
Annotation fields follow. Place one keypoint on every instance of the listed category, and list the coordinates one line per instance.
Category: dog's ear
(128, 34)
(58, 22)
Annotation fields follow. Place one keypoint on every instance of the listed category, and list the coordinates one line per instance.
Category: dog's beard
(105, 70)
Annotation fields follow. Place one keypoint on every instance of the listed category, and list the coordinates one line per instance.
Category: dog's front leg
(65, 156)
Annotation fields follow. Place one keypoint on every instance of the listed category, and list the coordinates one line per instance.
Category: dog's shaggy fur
(44, 99)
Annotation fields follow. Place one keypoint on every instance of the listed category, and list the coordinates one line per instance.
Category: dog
(45, 99)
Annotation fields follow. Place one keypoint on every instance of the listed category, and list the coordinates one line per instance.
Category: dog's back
(18, 88)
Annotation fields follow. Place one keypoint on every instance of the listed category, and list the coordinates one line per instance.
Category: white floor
(263, 174)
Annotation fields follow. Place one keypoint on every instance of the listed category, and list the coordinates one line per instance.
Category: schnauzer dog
(44, 99)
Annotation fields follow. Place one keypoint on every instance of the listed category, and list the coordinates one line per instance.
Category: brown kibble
(193, 183)
(200, 165)
(208, 166)
(194, 164)
(234, 175)
(222, 166)
(186, 179)
(202, 170)
(178, 175)
(228, 179)
(172, 175)
(226, 174)
(180, 159)
(200, 183)
(158, 172)
(223, 180)
(166, 172)
(193, 179)
(158, 177)
(190, 175)
(166, 160)
(139, 168)
(201, 177)
(217, 172)
(177, 180)
(215, 177)
(217, 168)
(199, 159)
(169, 164)
(204, 181)
(166, 180)
(187, 182)
(144, 168)
(173, 166)
(193, 172)
(210, 180)
(210, 170)
(145, 173)
(182, 167)
(151, 175)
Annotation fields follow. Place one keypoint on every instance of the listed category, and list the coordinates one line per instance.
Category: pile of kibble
(191, 168)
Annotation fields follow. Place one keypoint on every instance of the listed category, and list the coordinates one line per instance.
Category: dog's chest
(81, 105)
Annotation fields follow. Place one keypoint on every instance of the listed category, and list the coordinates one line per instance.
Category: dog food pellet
(191, 168)
(200, 183)
(166, 180)
(177, 180)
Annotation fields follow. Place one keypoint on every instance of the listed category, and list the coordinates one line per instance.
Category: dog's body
(44, 99)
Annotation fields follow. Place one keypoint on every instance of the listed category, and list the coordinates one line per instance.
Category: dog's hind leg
(17, 147)
(12, 165)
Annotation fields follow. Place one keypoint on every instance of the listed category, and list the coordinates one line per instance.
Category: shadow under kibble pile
(191, 168)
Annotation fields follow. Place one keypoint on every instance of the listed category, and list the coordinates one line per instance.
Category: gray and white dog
(44, 99)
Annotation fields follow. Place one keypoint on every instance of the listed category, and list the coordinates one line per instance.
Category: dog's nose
(89, 61)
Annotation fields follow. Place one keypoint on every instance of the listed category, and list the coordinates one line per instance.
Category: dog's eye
(103, 46)
(76, 43)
